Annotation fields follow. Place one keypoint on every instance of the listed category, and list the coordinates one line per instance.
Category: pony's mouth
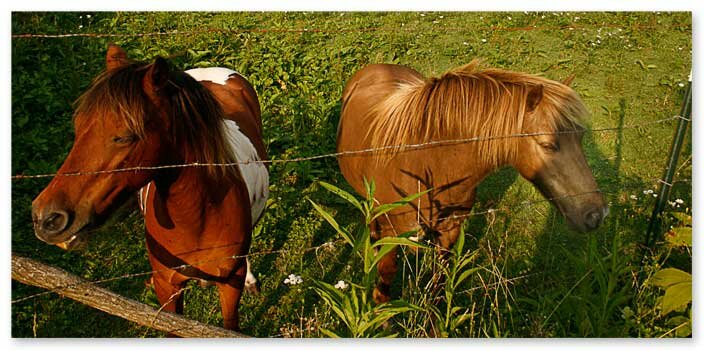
(76, 241)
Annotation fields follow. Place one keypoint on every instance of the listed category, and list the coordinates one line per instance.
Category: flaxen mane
(195, 117)
(467, 102)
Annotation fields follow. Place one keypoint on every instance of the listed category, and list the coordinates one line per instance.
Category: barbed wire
(367, 151)
(328, 245)
(635, 26)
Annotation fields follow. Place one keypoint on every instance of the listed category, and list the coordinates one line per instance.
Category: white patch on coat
(255, 175)
(217, 75)
(143, 196)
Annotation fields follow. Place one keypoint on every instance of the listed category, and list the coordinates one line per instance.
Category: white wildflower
(509, 18)
(634, 197)
(465, 43)
(293, 280)
(680, 84)
(441, 17)
(80, 26)
(646, 192)
(679, 201)
(87, 16)
(422, 14)
(483, 40)
(341, 285)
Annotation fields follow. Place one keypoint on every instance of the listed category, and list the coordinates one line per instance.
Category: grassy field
(536, 278)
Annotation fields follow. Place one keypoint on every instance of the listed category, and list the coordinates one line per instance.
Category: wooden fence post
(34, 273)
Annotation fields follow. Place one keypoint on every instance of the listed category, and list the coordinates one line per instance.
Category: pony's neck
(187, 194)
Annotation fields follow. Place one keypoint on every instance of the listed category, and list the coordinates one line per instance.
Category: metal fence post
(685, 114)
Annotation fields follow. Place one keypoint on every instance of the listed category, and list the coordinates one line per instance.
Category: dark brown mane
(194, 115)
(467, 102)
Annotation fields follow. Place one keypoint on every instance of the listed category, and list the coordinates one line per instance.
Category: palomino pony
(197, 218)
(390, 106)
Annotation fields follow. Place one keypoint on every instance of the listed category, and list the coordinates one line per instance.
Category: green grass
(565, 284)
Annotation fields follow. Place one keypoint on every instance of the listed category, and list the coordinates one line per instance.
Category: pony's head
(133, 115)
(551, 156)
(529, 122)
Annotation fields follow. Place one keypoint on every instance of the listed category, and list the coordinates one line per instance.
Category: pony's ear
(568, 80)
(116, 57)
(535, 95)
(157, 77)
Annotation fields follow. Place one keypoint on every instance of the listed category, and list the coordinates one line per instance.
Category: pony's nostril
(55, 222)
(593, 219)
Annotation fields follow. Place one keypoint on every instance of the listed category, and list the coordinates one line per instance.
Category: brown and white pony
(148, 115)
(391, 106)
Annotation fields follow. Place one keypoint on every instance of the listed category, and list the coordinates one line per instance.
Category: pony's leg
(169, 294)
(387, 271)
(250, 282)
(230, 294)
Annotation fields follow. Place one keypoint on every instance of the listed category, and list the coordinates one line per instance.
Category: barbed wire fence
(363, 152)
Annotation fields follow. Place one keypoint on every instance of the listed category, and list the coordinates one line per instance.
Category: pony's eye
(549, 147)
(124, 140)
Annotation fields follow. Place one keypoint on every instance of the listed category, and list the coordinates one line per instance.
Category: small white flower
(680, 84)
(341, 285)
(293, 280)
(483, 40)
(634, 197)
(422, 14)
(80, 26)
(87, 16)
(441, 17)
(679, 201)
(465, 43)
(436, 22)
(509, 18)
(655, 195)
(648, 192)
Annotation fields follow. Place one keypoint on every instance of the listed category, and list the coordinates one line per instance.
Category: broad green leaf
(342, 194)
(670, 276)
(396, 241)
(346, 235)
(682, 217)
(461, 319)
(464, 275)
(330, 333)
(682, 326)
(676, 297)
(679, 236)
(385, 208)
(459, 245)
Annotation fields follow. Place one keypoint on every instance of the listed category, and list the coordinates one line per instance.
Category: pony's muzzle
(49, 225)
(594, 218)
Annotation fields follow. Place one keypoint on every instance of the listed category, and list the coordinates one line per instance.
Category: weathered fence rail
(34, 273)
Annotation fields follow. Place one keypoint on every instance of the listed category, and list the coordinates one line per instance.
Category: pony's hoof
(251, 288)
(380, 296)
